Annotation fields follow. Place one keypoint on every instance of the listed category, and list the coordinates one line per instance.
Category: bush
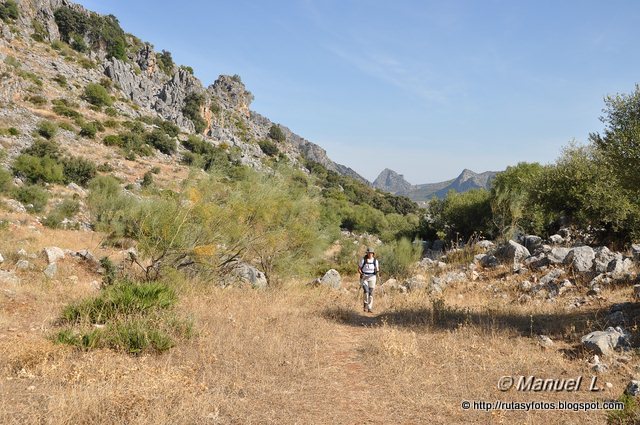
(88, 130)
(165, 62)
(65, 210)
(40, 33)
(113, 211)
(192, 104)
(147, 179)
(159, 140)
(460, 216)
(33, 197)
(268, 147)
(276, 133)
(78, 44)
(97, 95)
(47, 129)
(70, 22)
(9, 10)
(37, 100)
(37, 169)
(79, 170)
(398, 258)
(6, 180)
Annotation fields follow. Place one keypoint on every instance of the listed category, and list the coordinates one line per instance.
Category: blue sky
(426, 88)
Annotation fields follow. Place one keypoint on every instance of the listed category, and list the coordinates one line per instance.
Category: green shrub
(187, 68)
(37, 100)
(9, 10)
(33, 197)
(276, 133)
(11, 131)
(65, 108)
(78, 44)
(6, 180)
(79, 170)
(398, 258)
(192, 105)
(61, 80)
(147, 179)
(47, 129)
(70, 22)
(38, 169)
(65, 210)
(113, 140)
(159, 140)
(113, 211)
(268, 147)
(112, 112)
(40, 33)
(97, 95)
(88, 130)
(165, 62)
(66, 126)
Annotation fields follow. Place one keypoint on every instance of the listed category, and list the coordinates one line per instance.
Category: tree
(70, 22)
(620, 142)
(97, 95)
(165, 62)
(276, 133)
(191, 109)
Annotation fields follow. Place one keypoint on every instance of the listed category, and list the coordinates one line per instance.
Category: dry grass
(298, 355)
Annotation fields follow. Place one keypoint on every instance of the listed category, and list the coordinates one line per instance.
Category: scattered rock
(53, 254)
(489, 261)
(15, 206)
(616, 318)
(604, 342)
(556, 239)
(635, 251)
(633, 388)
(526, 286)
(558, 255)
(22, 253)
(596, 365)
(437, 285)
(51, 270)
(485, 244)
(1, 259)
(9, 278)
(545, 341)
(415, 283)
(332, 279)
(580, 258)
(551, 276)
(23, 265)
(619, 266)
(533, 243)
(250, 274)
(513, 252)
(604, 256)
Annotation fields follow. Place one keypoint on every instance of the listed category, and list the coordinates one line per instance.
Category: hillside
(169, 256)
(394, 183)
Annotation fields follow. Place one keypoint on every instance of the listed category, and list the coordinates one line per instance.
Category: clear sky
(425, 88)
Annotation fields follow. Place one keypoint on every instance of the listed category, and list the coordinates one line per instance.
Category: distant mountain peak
(390, 181)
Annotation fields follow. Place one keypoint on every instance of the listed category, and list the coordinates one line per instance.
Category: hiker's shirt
(369, 268)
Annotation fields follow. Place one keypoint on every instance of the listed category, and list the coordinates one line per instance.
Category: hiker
(369, 269)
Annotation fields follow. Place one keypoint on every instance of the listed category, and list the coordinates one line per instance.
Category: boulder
(619, 267)
(485, 244)
(605, 342)
(51, 270)
(437, 285)
(23, 265)
(633, 388)
(513, 252)
(9, 278)
(415, 283)
(603, 257)
(533, 243)
(331, 279)
(53, 254)
(551, 276)
(580, 258)
(558, 255)
(251, 275)
(556, 239)
(635, 251)
(545, 341)
(1, 259)
(489, 261)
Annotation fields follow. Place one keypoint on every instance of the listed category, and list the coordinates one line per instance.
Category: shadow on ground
(441, 317)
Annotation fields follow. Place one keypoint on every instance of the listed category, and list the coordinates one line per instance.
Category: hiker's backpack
(375, 264)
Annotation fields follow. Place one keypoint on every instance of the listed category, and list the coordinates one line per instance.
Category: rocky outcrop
(331, 279)
(605, 342)
(392, 182)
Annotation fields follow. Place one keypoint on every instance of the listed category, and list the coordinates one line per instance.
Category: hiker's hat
(370, 251)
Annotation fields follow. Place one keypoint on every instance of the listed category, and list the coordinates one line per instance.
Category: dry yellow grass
(299, 355)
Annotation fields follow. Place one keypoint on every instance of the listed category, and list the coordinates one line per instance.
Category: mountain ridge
(392, 182)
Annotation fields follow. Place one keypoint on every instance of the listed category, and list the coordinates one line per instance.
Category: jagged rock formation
(225, 107)
(392, 182)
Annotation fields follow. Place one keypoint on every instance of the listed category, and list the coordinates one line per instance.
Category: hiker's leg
(371, 283)
(365, 289)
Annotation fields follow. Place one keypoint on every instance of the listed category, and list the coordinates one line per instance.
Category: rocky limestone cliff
(226, 107)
